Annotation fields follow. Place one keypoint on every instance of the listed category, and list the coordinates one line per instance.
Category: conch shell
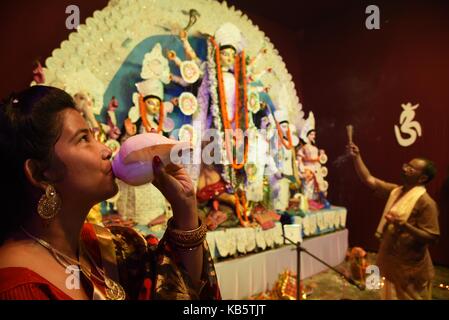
(134, 162)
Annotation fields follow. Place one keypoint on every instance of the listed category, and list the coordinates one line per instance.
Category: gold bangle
(186, 239)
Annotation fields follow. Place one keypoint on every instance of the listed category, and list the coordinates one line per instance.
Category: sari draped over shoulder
(147, 268)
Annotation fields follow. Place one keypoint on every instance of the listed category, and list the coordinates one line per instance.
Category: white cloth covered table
(243, 277)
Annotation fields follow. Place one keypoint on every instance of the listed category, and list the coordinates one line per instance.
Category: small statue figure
(260, 163)
(84, 104)
(38, 73)
(113, 130)
(87, 91)
(214, 199)
(150, 110)
(286, 161)
(358, 264)
(311, 161)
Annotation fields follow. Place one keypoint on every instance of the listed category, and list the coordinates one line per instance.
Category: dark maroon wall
(31, 30)
(343, 72)
(349, 74)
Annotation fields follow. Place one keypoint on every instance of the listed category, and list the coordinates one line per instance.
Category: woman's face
(87, 172)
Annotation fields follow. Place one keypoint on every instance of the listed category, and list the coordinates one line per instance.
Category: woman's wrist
(186, 239)
(186, 218)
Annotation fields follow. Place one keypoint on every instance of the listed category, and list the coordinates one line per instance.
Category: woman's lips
(109, 171)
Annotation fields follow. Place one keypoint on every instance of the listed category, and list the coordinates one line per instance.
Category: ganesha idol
(84, 104)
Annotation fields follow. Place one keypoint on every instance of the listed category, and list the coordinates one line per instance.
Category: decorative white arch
(91, 56)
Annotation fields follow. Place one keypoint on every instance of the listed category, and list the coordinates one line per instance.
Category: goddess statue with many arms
(227, 98)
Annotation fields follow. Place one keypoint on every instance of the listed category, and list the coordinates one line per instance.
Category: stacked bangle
(189, 239)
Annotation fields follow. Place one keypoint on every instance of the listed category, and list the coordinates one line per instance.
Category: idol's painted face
(227, 57)
(264, 122)
(284, 127)
(153, 104)
(312, 136)
(83, 101)
(87, 171)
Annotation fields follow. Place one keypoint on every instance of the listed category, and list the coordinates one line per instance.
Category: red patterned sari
(145, 268)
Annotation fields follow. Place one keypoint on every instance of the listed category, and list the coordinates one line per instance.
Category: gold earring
(49, 204)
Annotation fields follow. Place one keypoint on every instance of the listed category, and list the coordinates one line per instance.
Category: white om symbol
(409, 127)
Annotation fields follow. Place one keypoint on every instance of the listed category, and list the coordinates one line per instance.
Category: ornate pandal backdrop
(104, 56)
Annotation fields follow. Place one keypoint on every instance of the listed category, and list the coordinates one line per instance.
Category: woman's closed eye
(85, 138)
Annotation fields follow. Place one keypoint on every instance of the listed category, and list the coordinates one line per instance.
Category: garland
(214, 103)
(281, 136)
(236, 118)
(223, 105)
(245, 104)
(143, 115)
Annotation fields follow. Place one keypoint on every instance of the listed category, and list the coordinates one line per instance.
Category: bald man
(408, 225)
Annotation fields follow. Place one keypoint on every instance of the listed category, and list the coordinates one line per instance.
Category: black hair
(151, 96)
(259, 115)
(301, 140)
(228, 46)
(30, 125)
(310, 131)
(429, 169)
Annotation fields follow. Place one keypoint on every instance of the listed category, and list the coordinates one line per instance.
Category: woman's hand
(177, 187)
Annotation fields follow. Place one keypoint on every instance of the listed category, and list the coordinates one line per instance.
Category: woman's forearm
(186, 219)
(192, 260)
